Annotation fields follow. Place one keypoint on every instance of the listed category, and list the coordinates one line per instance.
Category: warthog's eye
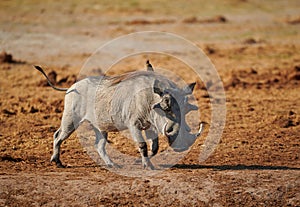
(166, 104)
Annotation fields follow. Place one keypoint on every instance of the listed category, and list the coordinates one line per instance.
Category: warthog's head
(171, 109)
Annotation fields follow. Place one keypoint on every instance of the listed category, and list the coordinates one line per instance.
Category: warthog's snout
(182, 140)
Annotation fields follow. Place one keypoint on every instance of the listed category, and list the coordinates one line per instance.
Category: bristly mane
(120, 78)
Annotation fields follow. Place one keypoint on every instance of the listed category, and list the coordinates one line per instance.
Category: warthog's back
(113, 102)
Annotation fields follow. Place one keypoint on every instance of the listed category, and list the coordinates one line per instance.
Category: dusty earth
(254, 46)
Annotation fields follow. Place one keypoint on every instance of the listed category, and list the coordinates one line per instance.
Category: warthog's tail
(49, 82)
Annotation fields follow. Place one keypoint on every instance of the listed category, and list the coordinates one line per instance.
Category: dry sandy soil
(253, 45)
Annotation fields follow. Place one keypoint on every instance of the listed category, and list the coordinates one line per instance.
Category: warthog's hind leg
(59, 136)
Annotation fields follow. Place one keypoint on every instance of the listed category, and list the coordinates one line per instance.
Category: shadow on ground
(233, 167)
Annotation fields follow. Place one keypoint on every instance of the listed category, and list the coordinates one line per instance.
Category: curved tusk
(201, 127)
(164, 130)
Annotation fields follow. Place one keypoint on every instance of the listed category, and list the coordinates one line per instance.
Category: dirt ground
(254, 46)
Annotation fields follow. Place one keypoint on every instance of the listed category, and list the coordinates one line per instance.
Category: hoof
(148, 166)
(60, 165)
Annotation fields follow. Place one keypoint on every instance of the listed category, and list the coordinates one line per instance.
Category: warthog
(137, 101)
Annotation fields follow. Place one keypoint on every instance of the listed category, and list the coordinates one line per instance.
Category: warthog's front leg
(154, 147)
(153, 137)
(100, 143)
(137, 136)
(145, 159)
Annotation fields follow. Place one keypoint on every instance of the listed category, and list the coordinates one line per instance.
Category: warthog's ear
(189, 88)
(157, 88)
